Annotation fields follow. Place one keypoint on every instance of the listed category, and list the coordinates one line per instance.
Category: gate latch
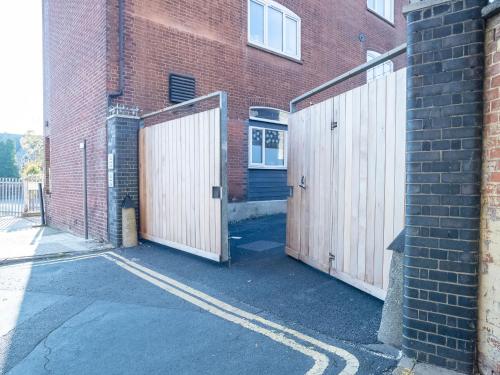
(216, 192)
(334, 125)
(303, 182)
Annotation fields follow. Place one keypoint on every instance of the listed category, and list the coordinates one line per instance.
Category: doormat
(260, 245)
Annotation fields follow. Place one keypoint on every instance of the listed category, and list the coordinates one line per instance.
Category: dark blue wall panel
(267, 184)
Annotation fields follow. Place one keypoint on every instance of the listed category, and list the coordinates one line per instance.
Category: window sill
(387, 21)
(264, 49)
(278, 168)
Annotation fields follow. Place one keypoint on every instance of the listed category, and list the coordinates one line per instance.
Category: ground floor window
(267, 148)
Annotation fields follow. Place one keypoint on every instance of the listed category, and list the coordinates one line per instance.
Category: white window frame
(388, 9)
(266, 119)
(286, 13)
(370, 55)
(263, 165)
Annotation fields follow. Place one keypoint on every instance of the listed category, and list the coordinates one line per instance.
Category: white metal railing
(19, 197)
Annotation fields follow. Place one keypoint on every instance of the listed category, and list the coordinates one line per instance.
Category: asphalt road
(152, 310)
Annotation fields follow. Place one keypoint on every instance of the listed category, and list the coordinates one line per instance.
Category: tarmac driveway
(152, 310)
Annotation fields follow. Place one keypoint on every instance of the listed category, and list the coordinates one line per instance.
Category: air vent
(181, 88)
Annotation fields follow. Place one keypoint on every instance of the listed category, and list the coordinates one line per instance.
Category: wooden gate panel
(353, 204)
(310, 208)
(295, 159)
(180, 164)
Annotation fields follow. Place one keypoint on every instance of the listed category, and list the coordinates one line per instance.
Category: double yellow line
(274, 331)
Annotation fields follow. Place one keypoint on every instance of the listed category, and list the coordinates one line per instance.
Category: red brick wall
(75, 109)
(208, 40)
(489, 293)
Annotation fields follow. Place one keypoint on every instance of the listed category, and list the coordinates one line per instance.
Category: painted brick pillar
(489, 275)
(123, 176)
(445, 104)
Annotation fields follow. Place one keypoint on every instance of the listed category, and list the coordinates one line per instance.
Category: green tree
(8, 167)
(32, 145)
(31, 168)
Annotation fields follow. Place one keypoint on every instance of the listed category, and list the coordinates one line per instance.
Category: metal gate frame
(381, 294)
(224, 256)
(20, 197)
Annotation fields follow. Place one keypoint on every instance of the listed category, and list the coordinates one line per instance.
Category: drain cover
(260, 245)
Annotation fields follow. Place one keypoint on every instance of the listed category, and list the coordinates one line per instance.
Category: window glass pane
(369, 75)
(291, 36)
(380, 70)
(275, 147)
(380, 6)
(388, 67)
(256, 146)
(275, 29)
(256, 22)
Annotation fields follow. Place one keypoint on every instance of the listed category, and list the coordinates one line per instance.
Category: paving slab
(24, 239)
(261, 245)
(408, 366)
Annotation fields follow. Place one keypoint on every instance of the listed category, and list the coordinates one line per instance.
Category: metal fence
(19, 197)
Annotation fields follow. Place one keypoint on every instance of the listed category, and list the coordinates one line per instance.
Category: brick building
(263, 53)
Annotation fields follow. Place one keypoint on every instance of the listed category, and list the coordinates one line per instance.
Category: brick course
(123, 145)
(445, 79)
(75, 106)
(207, 40)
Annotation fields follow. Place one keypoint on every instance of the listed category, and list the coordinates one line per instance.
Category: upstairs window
(384, 8)
(273, 27)
(378, 71)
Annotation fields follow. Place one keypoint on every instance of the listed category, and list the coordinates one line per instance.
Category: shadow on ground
(24, 238)
(90, 317)
(263, 276)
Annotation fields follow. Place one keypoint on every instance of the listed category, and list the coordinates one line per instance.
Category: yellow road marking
(244, 318)
(321, 361)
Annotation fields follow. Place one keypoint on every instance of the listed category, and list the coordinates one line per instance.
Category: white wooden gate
(183, 184)
(346, 167)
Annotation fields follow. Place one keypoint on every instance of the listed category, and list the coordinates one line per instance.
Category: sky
(21, 67)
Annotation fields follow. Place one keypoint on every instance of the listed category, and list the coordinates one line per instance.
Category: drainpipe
(121, 51)
(121, 67)
(83, 147)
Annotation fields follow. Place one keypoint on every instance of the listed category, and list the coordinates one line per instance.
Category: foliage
(8, 167)
(32, 145)
(31, 168)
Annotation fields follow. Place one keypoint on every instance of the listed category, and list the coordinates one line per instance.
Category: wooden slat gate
(346, 167)
(183, 184)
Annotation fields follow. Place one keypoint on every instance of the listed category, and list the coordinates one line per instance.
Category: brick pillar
(489, 292)
(123, 133)
(445, 82)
